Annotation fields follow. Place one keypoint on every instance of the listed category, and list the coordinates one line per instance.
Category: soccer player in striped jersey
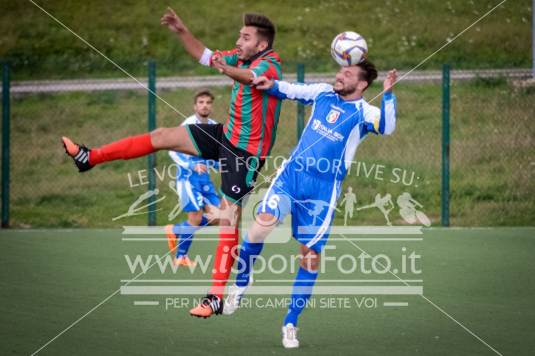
(240, 145)
(196, 191)
(339, 122)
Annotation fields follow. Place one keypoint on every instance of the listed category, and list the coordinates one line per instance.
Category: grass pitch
(483, 278)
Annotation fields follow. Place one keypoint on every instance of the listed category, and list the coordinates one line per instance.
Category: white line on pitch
(377, 239)
(275, 280)
(395, 304)
(146, 302)
(335, 230)
(384, 239)
(272, 290)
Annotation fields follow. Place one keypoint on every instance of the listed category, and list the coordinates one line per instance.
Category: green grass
(50, 278)
(400, 34)
(491, 173)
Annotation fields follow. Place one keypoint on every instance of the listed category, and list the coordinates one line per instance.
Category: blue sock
(302, 290)
(248, 254)
(185, 233)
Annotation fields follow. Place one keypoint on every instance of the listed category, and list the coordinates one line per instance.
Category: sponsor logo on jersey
(326, 132)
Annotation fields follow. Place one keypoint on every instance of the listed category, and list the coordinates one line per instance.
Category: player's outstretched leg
(176, 139)
(126, 148)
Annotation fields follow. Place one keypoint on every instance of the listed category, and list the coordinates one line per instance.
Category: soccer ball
(349, 48)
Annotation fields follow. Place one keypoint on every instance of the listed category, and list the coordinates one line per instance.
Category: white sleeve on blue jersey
(381, 121)
(183, 160)
(304, 93)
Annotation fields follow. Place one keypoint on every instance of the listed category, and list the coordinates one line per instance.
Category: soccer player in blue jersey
(339, 121)
(195, 190)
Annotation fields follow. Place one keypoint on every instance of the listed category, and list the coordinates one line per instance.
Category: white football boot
(289, 336)
(235, 294)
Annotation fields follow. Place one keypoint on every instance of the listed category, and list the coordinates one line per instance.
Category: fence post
(445, 194)
(152, 126)
(300, 107)
(5, 144)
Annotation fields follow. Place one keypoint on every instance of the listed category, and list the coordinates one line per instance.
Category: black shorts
(239, 168)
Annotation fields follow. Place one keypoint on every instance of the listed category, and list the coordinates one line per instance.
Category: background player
(193, 185)
(339, 121)
(246, 137)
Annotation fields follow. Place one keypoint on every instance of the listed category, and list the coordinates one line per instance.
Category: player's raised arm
(304, 93)
(175, 24)
(383, 121)
(263, 83)
(244, 76)
(387, 123)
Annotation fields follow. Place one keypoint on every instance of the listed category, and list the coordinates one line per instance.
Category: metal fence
(492, 152)
(491, 144)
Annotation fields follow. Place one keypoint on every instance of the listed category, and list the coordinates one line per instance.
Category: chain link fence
(492, 162)
(46, 189)
(491, 144)
(492, 152)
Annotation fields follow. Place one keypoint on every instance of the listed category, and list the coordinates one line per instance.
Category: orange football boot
(211, 304)
(184, 261)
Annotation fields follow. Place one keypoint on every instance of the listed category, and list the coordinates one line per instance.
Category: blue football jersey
(335, 128)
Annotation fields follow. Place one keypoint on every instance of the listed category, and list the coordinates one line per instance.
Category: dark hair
(203, 92)
(368, 71)
(264, 26)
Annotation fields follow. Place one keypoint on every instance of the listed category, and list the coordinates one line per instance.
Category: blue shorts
(311, 201)
(194, 194)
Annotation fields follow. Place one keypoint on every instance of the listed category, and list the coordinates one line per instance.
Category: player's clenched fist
(218, 62)
(172, 21)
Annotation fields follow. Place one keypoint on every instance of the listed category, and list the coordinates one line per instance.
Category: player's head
(355, 79)
(202, 103)
(256, 35)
